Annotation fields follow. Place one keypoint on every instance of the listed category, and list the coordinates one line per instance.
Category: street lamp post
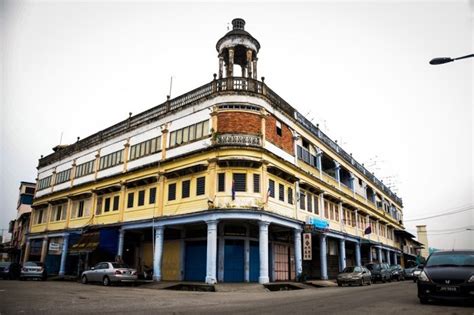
(441, 60)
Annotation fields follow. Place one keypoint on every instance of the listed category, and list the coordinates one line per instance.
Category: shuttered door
(195, 261)
(234, 261)
(284, 262)
(281, 263)
(171, 260)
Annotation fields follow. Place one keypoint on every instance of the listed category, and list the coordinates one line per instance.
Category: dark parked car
(380, 272)
(397, 272)
(33, 270)
(10, 270)
(447, 275)
(354, 275)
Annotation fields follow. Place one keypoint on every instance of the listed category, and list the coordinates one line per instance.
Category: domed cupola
(238, 47)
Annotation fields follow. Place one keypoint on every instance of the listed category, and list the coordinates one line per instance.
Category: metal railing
(238, 139)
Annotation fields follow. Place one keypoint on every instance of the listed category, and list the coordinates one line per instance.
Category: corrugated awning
(87, 243)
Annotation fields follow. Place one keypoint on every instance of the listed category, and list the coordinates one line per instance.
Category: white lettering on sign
(307, 247)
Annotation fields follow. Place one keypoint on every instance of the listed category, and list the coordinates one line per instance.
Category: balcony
(238, 139)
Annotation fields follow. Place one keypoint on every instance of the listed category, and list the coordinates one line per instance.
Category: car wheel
(423, 300)
(370, 282)
(84, 279)
(361, 282)
(44, 277)
(339, 284)
(106, 281)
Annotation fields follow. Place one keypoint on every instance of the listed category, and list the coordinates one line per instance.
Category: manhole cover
(281, 287)
(192, 287)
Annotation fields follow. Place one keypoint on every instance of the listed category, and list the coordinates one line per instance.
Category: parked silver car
(354, 275)
(33, 270)
(109, 272)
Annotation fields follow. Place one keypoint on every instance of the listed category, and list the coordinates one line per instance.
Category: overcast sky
(359, 69)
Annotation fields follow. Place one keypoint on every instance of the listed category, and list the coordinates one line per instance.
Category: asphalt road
(53, 297)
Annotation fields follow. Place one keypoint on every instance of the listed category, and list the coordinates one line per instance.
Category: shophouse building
(218, 184)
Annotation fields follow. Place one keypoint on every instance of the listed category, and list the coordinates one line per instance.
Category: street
(53, 297)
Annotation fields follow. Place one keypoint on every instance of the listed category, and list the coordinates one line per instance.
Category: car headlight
(471, 279)
(423, 277)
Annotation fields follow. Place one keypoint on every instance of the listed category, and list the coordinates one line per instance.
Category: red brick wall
(285, 141)
(239, 122)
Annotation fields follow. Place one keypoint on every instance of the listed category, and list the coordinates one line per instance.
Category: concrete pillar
(211, 276)
(371, 257)
(158, 255)
(62, 266)
(230, 64)
(26, 256)
(352, 182)
(120, 243)
(249, 63)
(247, 260)
(321, 204)
(44, 249)
(357, 254)
(182, 253)
(298, 254)
(323, 256)
(379, 254)
(337, 167)
(388, 257)
(255, 69)
(263, 249)
(395, 261)
(342, 254)
(221, 66)
(319, 156)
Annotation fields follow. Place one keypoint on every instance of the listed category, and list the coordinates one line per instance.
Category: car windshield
(373, 267)
(33, 264)
(348, 269)
(117, 265)
(451, 259)
(4, 264)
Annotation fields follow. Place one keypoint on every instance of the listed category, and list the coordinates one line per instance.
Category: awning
(108, 189)
(87, 243)
(141, 181)
(368, 242)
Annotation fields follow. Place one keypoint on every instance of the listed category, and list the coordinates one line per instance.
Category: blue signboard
(318, 223)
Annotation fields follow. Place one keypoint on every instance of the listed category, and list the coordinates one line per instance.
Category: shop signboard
(307, 247)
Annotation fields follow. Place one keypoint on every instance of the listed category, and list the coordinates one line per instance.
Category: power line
(447, 230)
(448, 233)
(468, 208)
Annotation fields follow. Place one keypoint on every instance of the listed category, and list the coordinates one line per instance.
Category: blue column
(120, 243)
(357, 254)
(342, 255)
(395, 262)
(211, 277)
(371, 257)
(158, 255)
(379, 254)
(263, 249)
(298, 254)
(62, 267)
(323, 257)
(182, 253)
(388, 257)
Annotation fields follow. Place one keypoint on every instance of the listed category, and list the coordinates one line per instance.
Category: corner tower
(238, 47)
